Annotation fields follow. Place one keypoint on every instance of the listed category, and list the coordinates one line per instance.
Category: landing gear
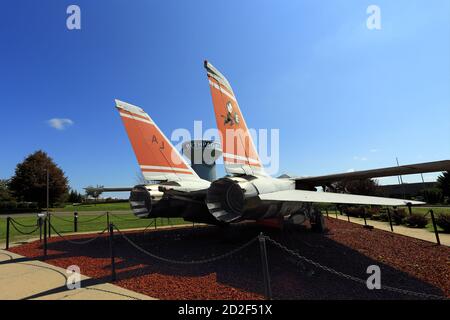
(317, 221)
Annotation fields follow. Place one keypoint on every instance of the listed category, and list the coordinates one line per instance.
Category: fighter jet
(247, 192)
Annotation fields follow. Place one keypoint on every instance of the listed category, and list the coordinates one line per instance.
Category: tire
(319, 223)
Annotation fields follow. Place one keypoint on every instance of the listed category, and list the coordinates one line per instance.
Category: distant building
(407, 190)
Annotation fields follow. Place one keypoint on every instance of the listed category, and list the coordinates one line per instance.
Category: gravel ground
(405, 263)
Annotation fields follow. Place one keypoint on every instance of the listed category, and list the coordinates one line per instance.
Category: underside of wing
(435, 166)
(338, 198)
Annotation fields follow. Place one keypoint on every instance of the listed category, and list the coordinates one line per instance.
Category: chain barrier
(78, 242)
(23, 225)
(349, 277)
(222, 256)
(61, 218)
(185, 262)
(123, 219)
(151, 224)
(13, 223)
(90, 220)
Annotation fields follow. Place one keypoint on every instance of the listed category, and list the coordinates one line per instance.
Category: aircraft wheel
(318, 225)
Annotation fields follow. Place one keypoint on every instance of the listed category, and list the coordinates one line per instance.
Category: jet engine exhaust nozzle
(141, 201)
(226, 199)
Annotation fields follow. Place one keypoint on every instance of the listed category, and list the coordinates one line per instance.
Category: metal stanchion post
(366, 226)
(409, 208)
(265, 266)
(435, 227)
(49, 224)
(75, 222)
(8, 221)
(40, 228)
(107, 219)
(390, 219)
(326, 210)
(111, 249)
(45, 238)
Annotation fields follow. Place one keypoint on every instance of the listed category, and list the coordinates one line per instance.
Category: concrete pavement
(24, 278)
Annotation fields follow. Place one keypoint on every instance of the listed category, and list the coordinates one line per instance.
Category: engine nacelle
(144, 200)
(234, 199)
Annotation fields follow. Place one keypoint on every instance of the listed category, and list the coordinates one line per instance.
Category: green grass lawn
(120, 206)
(424, 210)
(85, 223)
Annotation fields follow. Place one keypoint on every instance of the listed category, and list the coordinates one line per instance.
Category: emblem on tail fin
(239, 151)
(230, 118)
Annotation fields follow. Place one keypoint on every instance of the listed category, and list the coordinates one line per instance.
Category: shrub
(398, 215)
(8, 205)
(382, 216)
(373, 211)
(443, 221)
(358, 212)
(354, 212)
(11, 207)
(416, 221)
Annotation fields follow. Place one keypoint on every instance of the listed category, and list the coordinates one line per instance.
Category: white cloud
(351, 170)
(60, 123)
(360, 158)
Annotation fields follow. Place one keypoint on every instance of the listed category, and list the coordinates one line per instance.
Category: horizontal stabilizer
(111, 189)
(328, 197)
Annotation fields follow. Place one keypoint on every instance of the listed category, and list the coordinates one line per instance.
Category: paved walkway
(418, 233)
(23, 278)
(32, 279)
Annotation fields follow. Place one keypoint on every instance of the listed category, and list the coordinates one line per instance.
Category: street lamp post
(48, 178)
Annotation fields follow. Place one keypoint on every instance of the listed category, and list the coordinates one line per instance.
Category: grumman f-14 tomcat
(246, 192)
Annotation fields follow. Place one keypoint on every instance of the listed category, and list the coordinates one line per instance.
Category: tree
(29, 182)
(362, 187)
(75, 197)
(432, 195)
(5, 193)
(444, 183)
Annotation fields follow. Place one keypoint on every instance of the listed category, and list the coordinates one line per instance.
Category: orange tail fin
(157, 157)
(239, 152)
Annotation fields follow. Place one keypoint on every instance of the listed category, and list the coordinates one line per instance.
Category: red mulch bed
(405, 263)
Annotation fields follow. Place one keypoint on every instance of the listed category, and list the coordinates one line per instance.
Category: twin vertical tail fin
(239, 152)
(158, 159)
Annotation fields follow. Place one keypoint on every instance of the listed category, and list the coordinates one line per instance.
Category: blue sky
(343, 96)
